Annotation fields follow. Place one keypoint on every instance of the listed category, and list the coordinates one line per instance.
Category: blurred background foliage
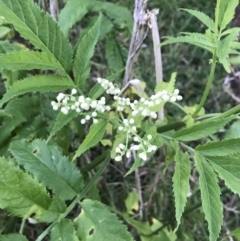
(117, 191)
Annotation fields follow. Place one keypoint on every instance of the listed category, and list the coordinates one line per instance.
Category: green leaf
(200, 42)
(39, 28)
(97, 223)
(115, 12)
(22, 195)
(94, 136)
(73, 12)
(233, 131)
(4, 31)
(205, 19)
(63, 231)
(228, 169)
(29, 60)
(12, 237)
(228, 13)
(181, 185)
(61, 121)
(220, 148)
(210, 195)
(48, 164)
(200, 130)
(113, 54)
(219, 12)
(7, 47)
(137, 163)
(81, 65)
(40, 83)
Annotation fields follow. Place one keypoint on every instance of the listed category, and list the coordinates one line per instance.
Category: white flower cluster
(109, 87)
(80, 104)
(128, 126)
(142, 146)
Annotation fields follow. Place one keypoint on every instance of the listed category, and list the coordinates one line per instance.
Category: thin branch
(157, 51)
(137, 38)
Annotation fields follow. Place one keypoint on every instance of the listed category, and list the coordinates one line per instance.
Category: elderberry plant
(40, 169)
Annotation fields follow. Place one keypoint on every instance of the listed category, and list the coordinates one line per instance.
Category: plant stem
(22, 225)
(77, 199)
(209, 84)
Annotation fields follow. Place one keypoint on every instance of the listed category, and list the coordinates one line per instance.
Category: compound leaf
(210, 195)
(104, 226)
(39, 28)
(48, 164)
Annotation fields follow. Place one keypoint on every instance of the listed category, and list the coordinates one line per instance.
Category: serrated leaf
(29, 60)
(12, 237)
(104, 226)
(210, 195)
(63, 231)
(94, 136)
(48, 164)
(7, 47)
(220, 148)
(73, 11)
(229, 13)
(205, 19)
(40, 83)
(228, 169)
(61, 121)
(181, 185)
(113, 54)
(114, 11)
(200, 130)
(39, 28)
(203, 43)
(22, 195)
(233, 131)
(81, 65)
(220, 11)
(137, 163)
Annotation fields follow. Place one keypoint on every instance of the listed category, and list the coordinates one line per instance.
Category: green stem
(208, 87)
(22, 225)
(77, 199)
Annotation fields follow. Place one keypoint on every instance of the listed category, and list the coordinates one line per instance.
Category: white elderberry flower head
(60, 97)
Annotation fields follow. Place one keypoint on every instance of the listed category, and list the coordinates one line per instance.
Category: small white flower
(78, 110)
(154, 148)
(60, 96)
(118, 158)
(74, 91)
(135, 147)
(120, 128)
(83, 121)
(131, 121)
(95, 121)
(64, 110)
(149, 137)
(176, 92)
(173, 99)
(128, 154)
(122, 146)
(94, 114)
(88, 117)
(143, 156)
(136, 138)
(118, 150)
(153, 115)
(179, 97)
(165, 97)
(94, 104)
(134, 128)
